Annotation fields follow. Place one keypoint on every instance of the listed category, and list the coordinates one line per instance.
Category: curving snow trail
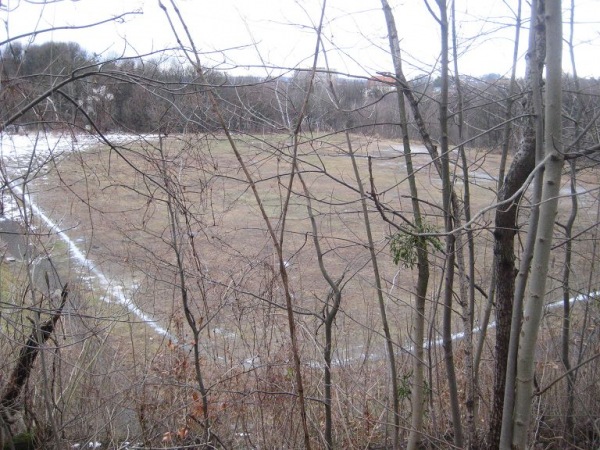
(23, 153)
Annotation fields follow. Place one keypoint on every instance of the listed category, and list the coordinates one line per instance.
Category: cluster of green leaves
(404, 246)
(404, 387)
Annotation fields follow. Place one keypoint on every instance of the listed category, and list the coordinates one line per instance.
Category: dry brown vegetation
(120, 381)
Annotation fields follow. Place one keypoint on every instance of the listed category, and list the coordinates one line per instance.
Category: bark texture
(27, 356)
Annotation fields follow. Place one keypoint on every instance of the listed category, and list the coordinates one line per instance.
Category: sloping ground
(114, 228)
(20, 245)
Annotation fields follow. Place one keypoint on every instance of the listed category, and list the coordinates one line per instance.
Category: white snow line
(114, 291)
(461, 334)
(438, 342)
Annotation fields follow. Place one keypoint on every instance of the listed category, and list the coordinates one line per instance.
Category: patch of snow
(223, 332)
(414, 149)
(436, 343)
(116, 291)
(21, 152)
(483, 176)
(251, 363)
(579, 190)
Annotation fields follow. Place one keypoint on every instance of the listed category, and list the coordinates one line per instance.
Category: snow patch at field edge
(21, 153)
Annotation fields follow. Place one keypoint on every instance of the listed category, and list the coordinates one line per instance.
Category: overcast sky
(282, 32)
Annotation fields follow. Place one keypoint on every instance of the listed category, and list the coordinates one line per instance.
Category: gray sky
(281, 32)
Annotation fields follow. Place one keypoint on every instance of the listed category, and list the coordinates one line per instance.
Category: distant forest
(156, 95)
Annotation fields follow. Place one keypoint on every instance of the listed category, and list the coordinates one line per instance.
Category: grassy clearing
(116, 208)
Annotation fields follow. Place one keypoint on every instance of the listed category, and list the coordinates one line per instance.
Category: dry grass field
(114, 204)
(116, 211)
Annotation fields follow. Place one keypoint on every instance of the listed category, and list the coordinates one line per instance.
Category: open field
(116, 210)
(148, 212)
(120, 218)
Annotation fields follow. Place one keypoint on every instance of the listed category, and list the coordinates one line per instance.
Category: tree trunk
(448, 228)
(27, 356)
(384, 322)
(504, 237)
(418, 331)
(566, 328)
(330, 310)
(466, 282)
(535, 60)
(552, 174)
(504, 254)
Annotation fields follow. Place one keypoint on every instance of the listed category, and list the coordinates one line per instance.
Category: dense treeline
(152, 95)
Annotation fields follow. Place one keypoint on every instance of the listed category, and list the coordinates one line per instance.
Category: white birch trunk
(552, 174)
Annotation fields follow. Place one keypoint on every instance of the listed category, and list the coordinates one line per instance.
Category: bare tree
(260, 262)
(554, 161)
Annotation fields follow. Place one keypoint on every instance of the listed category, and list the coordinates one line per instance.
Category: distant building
(378, 85)
(381, 82)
